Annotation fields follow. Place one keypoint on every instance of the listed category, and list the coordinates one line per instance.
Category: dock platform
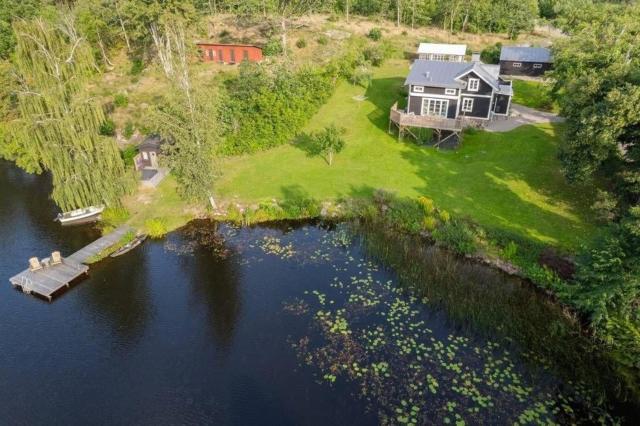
(46, 282)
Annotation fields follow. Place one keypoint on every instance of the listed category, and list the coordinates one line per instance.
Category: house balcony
(403, 119)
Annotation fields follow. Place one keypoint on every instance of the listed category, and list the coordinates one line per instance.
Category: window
(145, 156)
(467, 104)
(517, 64)
(537, 66)
(435, 107)
(418, 89)
(220, 56)
(474, 84)
(211, 54)
(438, 57)
(449, 91)
(245, 55)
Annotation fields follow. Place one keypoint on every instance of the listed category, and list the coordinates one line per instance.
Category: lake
(276, 324)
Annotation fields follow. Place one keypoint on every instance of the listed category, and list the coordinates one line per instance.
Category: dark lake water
(266, 325)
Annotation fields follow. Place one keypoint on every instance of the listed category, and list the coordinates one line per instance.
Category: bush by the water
(456, 235)
(156, 228)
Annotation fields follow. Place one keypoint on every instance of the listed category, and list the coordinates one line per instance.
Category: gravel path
(521, 115)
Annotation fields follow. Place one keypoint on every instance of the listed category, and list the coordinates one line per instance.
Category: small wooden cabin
(229, 53)
(148, 152)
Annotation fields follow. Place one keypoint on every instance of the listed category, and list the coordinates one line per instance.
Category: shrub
(234, 214)
(120, 100)
(114, 216)
(375, 34)
(128, 129)
(361, 76)
(301, 43)
(406, 215)
(457, 236)
(404, 32)
(108, 128)
(509, 251)
(322, 40)
(491, 55)
(374, 55)
(444, 216)
(137, 66)
(427, 205)
(156, 228)
(300, 207)
(128, 154)
(273, 47)
(429, 223)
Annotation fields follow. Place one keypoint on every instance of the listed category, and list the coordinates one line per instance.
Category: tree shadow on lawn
(455, 182)
(304, 142)
(383, 93)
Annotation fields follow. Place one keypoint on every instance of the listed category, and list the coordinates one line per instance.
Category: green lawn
(506, 180)
(534, 94)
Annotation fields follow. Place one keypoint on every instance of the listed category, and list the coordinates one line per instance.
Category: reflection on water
(221, 325)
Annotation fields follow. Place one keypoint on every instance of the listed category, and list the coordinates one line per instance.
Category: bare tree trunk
(107, 62)
(330, 157)
(124, 30)
(413, 14)
(398, 12)
(283, 25)
(347, 7)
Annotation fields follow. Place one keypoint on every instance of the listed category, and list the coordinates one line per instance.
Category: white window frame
(537, 66)
(474, 84)
(517, 64)
(467, 105)
(418, 89)
(443, 107)
(145, 156)
(449, 91)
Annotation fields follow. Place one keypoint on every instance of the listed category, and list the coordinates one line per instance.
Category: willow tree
(58, 119)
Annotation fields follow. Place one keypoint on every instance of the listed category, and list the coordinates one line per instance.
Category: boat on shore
(139, 239)
(79, 216)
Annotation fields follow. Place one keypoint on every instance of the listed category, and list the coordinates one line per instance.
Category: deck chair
(34, 264)
(56, 258)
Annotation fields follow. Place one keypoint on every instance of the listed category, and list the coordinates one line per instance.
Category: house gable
(484, 88)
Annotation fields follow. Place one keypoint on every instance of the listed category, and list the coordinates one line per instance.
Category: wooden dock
(49, 280)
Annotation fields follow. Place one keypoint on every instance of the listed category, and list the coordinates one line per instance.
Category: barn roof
(443, 49)
(446, 74)
(525, 54)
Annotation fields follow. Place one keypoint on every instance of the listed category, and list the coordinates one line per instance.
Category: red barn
(229, 53)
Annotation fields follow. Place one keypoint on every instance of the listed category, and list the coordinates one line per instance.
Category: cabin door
(233, 56)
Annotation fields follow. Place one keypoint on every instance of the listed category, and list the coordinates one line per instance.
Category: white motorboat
(84, 215)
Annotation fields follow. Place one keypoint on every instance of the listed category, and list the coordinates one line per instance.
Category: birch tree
(187, 120)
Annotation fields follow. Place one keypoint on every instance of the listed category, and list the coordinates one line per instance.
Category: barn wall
(506, 68)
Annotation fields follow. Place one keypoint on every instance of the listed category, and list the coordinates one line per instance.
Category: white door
(435, 107)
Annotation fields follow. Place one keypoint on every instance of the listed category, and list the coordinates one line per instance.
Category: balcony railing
(404, 119)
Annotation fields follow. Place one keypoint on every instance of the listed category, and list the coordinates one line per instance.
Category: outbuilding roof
(152, 142)
(525, 54)
(446, 74)
(443, 49)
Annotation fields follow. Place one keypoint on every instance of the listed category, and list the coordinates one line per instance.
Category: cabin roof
(152, 142)
(525, 54)
(210, 44)
(443, 49)
(447, 74)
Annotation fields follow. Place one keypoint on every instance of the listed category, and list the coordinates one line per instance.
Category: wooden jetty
(51, 278)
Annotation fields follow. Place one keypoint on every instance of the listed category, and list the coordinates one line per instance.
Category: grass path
(507, 180)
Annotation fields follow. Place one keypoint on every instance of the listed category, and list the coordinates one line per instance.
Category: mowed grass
(534, 94)
(508, 180)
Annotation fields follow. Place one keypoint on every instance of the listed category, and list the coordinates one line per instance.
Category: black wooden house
(529, 61)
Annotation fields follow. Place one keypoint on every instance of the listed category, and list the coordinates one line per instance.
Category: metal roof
(446, 74)
(525, 54)
(443, 49)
